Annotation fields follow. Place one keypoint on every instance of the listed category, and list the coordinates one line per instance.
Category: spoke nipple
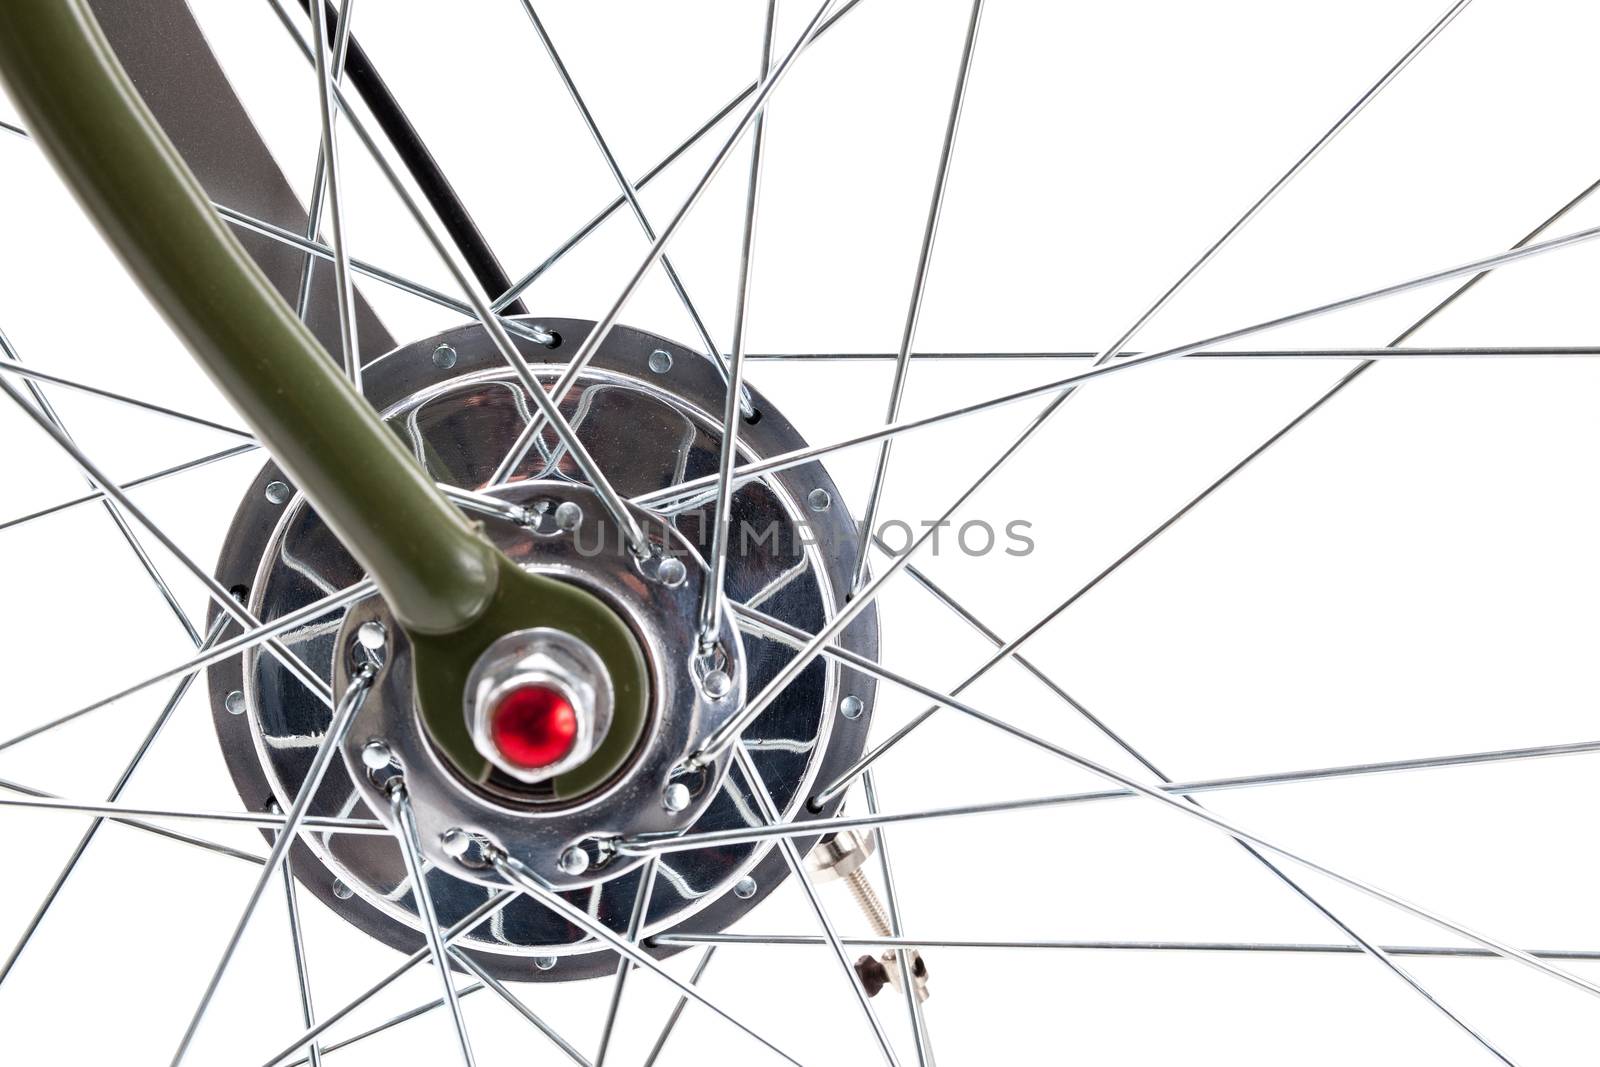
(545, 963)
(819, 500)
(851, 707)
(675, 797)
(661, 361)
(574, 860)
(745, 888)
(278, 492)
(234, 702)
(444, 357)
(342, 891)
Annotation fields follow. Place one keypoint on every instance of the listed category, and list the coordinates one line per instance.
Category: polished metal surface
(543, 657)
(650, 429)
(534, 825)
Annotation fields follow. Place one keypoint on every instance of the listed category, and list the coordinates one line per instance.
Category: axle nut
(539, 703)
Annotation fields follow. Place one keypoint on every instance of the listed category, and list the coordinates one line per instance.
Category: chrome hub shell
(650, 422)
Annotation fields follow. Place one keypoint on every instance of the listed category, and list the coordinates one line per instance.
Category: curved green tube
(452, 590)
(436, 573)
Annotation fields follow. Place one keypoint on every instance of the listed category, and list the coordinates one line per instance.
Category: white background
(1410, 573)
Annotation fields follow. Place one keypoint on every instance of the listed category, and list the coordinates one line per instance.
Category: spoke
(411, 849)
(685, 490)
(120, 521)
(677, 1009)
(139, 753)
(1428, 951)
(319, 823)
(223, 598)
(482, 913)
(797, 867)
(494, 326)
(919, 285)
(222, 650)
(602, 328)
(388, 1024)
(328, 163)
(149, 828)
(641, 908)
(1217, 822)
(94, 390)
(891, 900)
(311, 247)
(302, 972)
(647, 843)
(1289, 175)
(712, 593)
(90, 498)
(491, 982)
(713, 351)
(1009, 648)
(583, 232)
(1370, 947)
(320, 178)
(520, 877)
(343, 714)
(359, 266)
(1491, 352)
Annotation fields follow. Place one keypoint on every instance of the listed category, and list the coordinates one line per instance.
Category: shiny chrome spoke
(328, 190)
(713, 593)
(891, 903)
(715, 940)
(521, 878)
(919, 287)
(302, 969)
(583, 232)
(465, 925)
(319, 823)
(491, 321)
(744, 835)
(1217, 822)
(641, 907)
(139, 753)
(1260, 354)
(1009, 648)
(321, 179)
(411, 849)
(493, 984)
(713, 350)
(250, 638)
(389, 1024)
(343, 714)
(34, 374)
(797, 870)
(686, 493)
(150, 828)
(677, 1009)
(602, 329)
(222, 597)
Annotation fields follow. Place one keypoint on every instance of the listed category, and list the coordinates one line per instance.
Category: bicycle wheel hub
(570, 765)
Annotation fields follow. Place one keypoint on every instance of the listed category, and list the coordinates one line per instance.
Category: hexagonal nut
(841, 855)
(543, 657)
